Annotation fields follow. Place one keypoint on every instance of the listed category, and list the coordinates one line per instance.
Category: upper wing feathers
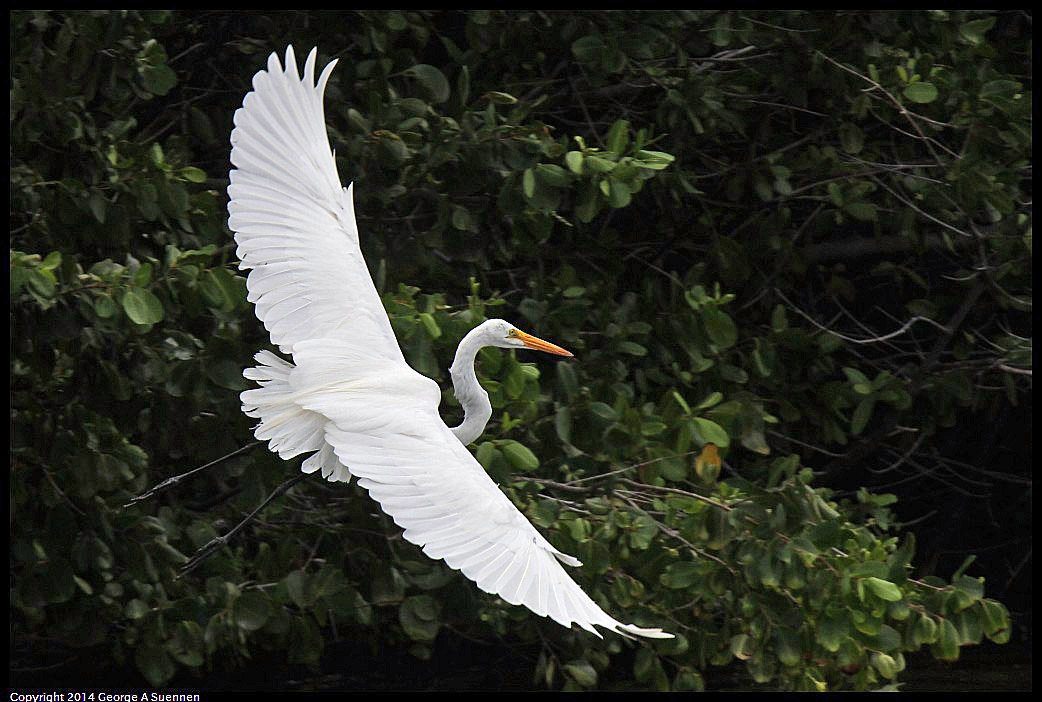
(293, 223)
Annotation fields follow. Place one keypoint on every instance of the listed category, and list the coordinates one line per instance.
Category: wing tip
(567, 560)
(648, 633)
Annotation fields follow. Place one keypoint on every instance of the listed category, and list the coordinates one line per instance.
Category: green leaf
(159, 79)
(588, 49)
(135, 609)
(787, 646)
(968, 590)
(755, 441)
(514, 383)
(968, 624)
(885, 639)
(528, 183)
(995, 621)
(711, 432)
(598, 164)
(98, 206)
(358, 121)
(486, 453)
(142, 276)
(154, 663)
(947, 646)
(832, 629)
(501, 98)
(581, 672)
(19, 277)
(155, 155)
(655, 160)
(852, 139)
(855, 376)
(688, 680)
(885, 664)
(463, 85)
(296, 588)
(227, 374)
(566, 380)
(104, 306)
(720, 327)
(876, 569)
(563, 424)
(193, 174)
(681, 575)
(618, 136)
(835, 194)
(574, 161)
(862, 414)
(653, 428)
(251, 610)
(142, 307)
(419, 616)
(201, 125)
(883, 589)
(430, 325)
(589, 203)
(1001, 89)
(83, 585)
(553, 175)
(461, 219)
(519, 456)
(544, 513)
(432, 80)
(619, 194)
(632, 348)
(861, 211)
(925, 631)
(921, 92)
(682, 402)
(579, 529)
(973, 32)
(899, 560)
(42, 282)
(741, 646)
(219, 289)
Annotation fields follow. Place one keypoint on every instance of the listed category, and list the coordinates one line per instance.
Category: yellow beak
(534, 342)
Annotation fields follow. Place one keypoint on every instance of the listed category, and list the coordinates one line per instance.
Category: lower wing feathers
(434, 488)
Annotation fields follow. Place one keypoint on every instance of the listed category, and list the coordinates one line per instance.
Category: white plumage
(349, 397)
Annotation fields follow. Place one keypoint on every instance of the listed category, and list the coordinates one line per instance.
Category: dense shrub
(790, 250)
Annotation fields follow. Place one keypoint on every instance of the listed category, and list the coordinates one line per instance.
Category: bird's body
(349, 398)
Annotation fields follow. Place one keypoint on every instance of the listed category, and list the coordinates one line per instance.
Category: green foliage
(801, 238)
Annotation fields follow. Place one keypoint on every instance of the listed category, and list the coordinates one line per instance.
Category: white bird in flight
(349, 397)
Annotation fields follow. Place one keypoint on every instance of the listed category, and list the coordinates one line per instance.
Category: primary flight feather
(349, 398)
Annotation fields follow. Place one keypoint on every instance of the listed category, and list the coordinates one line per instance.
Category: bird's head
(499, 332)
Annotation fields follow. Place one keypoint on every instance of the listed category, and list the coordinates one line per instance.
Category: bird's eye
(512, 332)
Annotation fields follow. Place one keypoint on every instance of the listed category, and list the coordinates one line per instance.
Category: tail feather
(332, 469)
(289, 429)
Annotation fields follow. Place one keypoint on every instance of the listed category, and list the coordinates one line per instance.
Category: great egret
(349, 397)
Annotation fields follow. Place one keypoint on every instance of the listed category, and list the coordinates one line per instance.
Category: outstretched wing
(350, 395)
(383, 423)
(293, 223)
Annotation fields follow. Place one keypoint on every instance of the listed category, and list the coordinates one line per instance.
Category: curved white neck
(477, 409)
